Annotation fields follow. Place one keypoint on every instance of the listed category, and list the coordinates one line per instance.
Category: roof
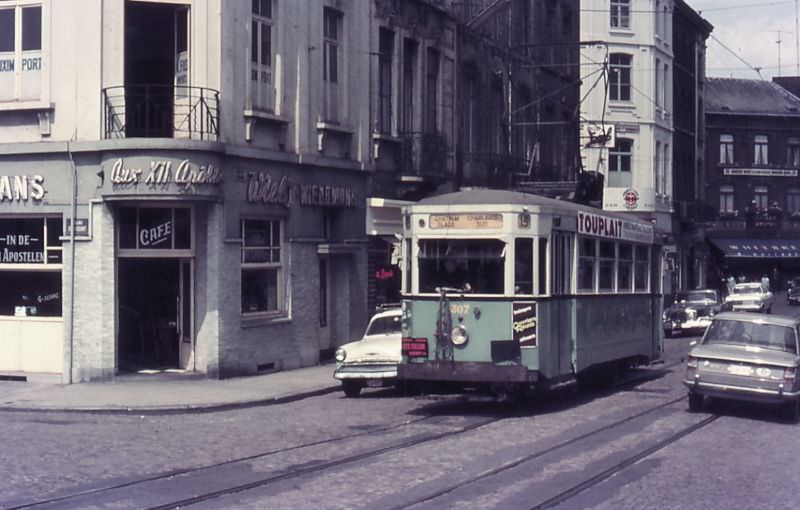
(779, 320)
(749, 97)
(494, 196)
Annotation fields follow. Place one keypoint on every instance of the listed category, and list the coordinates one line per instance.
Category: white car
(749, 297)
(371, 361)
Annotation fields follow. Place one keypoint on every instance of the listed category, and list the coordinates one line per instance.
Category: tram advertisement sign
(614, 228)
(490, 220)
(524, 323)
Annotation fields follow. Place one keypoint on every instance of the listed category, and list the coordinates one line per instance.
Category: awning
(758, 248)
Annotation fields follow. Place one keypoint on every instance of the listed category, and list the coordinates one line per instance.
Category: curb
(177, 408)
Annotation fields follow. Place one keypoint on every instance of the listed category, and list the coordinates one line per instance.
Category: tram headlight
(459, 335)
(340, 355)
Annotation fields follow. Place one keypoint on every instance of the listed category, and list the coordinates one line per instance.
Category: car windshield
(768, 336)
(698, 295)
(750, 288)
(384, 325)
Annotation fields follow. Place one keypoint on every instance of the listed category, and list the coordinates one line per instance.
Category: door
(185, 316)
(324, 309)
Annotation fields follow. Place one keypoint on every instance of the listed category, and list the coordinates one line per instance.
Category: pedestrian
(731, 284)
(765, 283)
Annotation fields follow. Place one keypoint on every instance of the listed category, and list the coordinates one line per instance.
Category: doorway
(155, 314)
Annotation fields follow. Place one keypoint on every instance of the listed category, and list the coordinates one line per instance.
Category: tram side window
(543, 265)
(587, 260)
(562, 263)
(523, 266)
(456, 262)
(625, 268)
(607, 262)
(641, 266)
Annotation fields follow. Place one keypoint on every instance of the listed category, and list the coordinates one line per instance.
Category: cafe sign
(185, 174)
(21, 188)
(263, 188)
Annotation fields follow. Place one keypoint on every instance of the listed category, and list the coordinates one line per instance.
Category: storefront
(181, 261)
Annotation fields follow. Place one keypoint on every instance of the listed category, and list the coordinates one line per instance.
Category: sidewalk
(162, 393)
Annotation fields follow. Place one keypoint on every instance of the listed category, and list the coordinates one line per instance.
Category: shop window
(154, 228)
(21, 59)
(262, 270)
(30, 267)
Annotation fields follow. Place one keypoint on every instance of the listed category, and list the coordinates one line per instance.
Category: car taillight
(415, 347)
(790, 374)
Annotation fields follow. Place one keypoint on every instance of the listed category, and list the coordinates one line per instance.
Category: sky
(745, 37)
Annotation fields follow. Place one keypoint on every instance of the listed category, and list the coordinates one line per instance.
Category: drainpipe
(71, 314)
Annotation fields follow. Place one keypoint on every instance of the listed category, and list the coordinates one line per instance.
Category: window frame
(726, 149)
(17, 54)
(620, 14)
(727, 194)
(761, 150)
(620, 80)
(281, 308)
(260, 22)
(793, 151)
(385, 112)
(620, 158)
(332, 57)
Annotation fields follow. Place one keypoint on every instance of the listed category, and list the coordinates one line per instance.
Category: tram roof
(505, 197)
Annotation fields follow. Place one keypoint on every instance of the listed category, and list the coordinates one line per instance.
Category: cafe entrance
(155, 275)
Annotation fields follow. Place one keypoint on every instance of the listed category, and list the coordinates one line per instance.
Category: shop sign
(631, 198)
(263, 188)
(155, 235)
(161, 172)
(761, 172)
(614, 228)
(384, 274)
(21, 187)
(21, 249)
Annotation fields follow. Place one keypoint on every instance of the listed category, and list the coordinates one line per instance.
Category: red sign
(384, 274)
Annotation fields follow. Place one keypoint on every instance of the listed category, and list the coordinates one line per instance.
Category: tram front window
(458, 262)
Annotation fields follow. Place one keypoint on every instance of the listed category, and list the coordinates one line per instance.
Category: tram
(515, 293)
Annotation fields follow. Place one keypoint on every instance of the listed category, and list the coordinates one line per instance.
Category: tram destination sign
(614, 228)
(465, 221)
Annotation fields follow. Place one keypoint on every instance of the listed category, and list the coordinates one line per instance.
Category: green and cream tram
(515, 292)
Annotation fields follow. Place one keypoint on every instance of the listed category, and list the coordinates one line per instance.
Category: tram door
(562, 253)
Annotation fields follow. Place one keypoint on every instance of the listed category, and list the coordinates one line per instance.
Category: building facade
(752, 181)
(689, 261)
(180, 187)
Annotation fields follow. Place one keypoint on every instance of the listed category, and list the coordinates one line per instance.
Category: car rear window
(768, 336)
(384, 325)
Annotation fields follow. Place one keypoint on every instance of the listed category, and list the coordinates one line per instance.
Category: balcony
(763, 223)
(160, 111)
(423, 156)
(490, 170)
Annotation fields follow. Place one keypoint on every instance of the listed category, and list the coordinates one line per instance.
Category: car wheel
(695, 401)
(352, 389)
(792, 409)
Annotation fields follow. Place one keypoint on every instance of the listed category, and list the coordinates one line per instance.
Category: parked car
(793, 291)
(747, 357)
(691, 312)
(749, 297)
(371, 361)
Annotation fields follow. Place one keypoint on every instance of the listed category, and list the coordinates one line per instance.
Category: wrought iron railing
(161, 111)
(424, 154)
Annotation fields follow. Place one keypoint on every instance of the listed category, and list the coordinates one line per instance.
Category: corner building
(182, 185)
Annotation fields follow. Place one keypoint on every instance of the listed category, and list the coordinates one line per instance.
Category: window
(332, 22)
(619, 156)
(659, 78)
(385, 53)
(456, 262)
(761, 197)
(409, 65)
(30, 266)
(793, 200)
(726, 195)
(641, 265)
(620, 13)
(657, 167)
(625, 268)
(619, 81)
(154, 228)
(793, 152)
(523, 266)
(667, 171)
(760, 146)
(21, 59)
(262, 272)
(262, 90)
(726, 149)
(587, 261)
(607, 262)
(431, 91)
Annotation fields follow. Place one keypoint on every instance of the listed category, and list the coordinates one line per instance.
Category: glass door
(185, 315)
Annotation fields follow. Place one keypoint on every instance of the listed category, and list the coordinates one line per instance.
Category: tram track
(107, 496)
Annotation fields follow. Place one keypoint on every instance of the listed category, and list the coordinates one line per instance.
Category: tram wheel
(352, 389)
(695, 401)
